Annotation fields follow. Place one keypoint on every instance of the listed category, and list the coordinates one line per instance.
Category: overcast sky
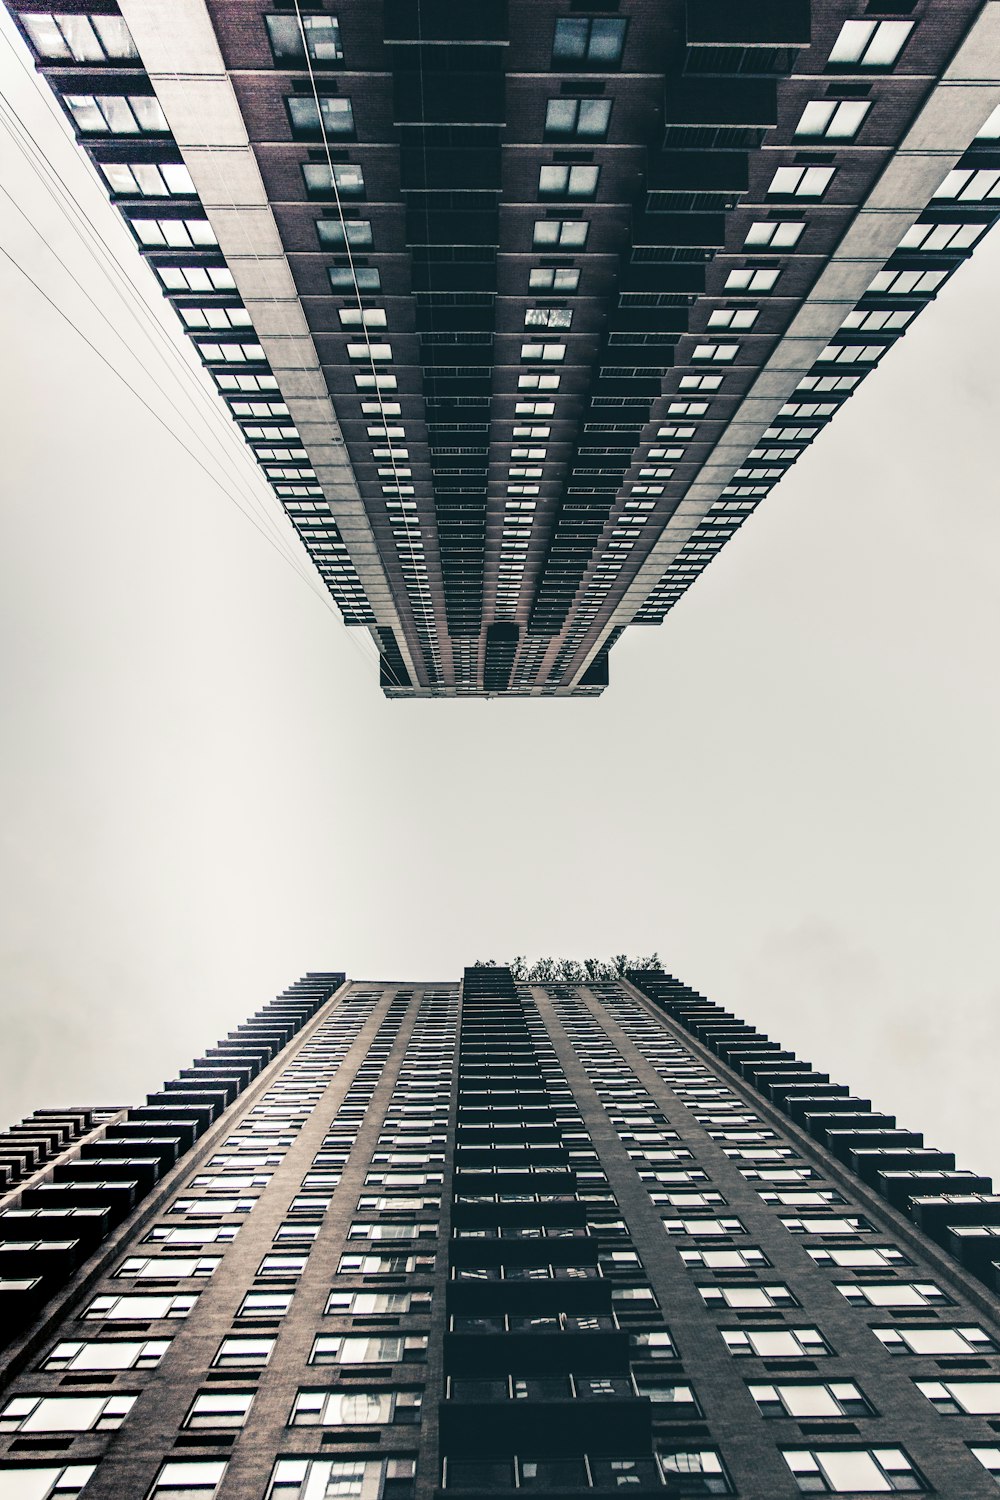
(789, 790)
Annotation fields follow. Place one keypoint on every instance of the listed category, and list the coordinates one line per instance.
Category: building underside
(524, 307)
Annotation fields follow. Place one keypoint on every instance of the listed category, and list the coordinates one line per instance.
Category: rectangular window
(874, 1258)
(694, 1471)
(106, 1354)
(588, 41)
(801, 182)
(828, 119)
(543, 280)
(577, 119)
(335, 234)
(562, 233)
(333, 120)
(148, 179)
(243, 1353)
(342, 181)
(342, 279)
(265, 1305)
(348, 1479)
(851, 1471)
(65, 1413)
(785, 1343)
(776, 234)
(935, 1340)
(116, 114)
(806, 1399)
(893, 1293)
(322, 36)
(179, 1480)
(219, 1409)
(972, 1398)
(42, 1483)
(354, 1408)
(144, 1309)
(80, 38)
(568, 182)
(748, 1298)
(869, 44)
(331, 1349)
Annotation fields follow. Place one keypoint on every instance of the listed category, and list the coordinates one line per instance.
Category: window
(342, 279)
(194, 1234)
(748, 1297)
(548, 317)
(65, 1413)
(243, 1353)
(265, 1305)
(116, 114)
(329, 1350)
(725, 1260)
(39, 1484)
(366, 1304)
(546, 353)
(543, 280)
(166, 1267)
(335, 117)
(322, 34)
(80, 38)
(219, 1409)
(830, 1226)
(968, 186)
(568, 182)
(869, 44)
(565, 233)
(801, 182)
(321, 181)
(877, 1258)
(989, 1458)
(196, 278)
(849, 1471)
(695, 1472)
(831, 120)
(974, 1398)
(703, 1228)
(935, 1340)
(383, 1265)
(334, 234)
(588, 41)
(348, 1478)
(811, 1398)
(354, 1408)
(907, 283)
(177, 1481)
(106, 1354)
(727, 317)
(282, 1265)
(577, 119)
(784, 1343)
(777, 234)
(148, 180)
(893, 1293)
(146, 1309)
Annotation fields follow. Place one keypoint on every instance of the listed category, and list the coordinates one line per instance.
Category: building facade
(460, 1240)
(523, 307)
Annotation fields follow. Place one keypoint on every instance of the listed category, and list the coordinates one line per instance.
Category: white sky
(789, 790)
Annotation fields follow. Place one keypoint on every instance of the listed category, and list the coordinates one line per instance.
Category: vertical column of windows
(861, 1265)
(127, 1325)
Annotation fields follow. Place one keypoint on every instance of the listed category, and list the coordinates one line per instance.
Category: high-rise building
(523, 306)
(389, 1242)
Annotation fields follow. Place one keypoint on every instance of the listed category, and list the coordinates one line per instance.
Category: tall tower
(462, 1240)
(524, 306)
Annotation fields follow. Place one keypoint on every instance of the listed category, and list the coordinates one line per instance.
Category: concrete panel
(174, 38)
(202, 111)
